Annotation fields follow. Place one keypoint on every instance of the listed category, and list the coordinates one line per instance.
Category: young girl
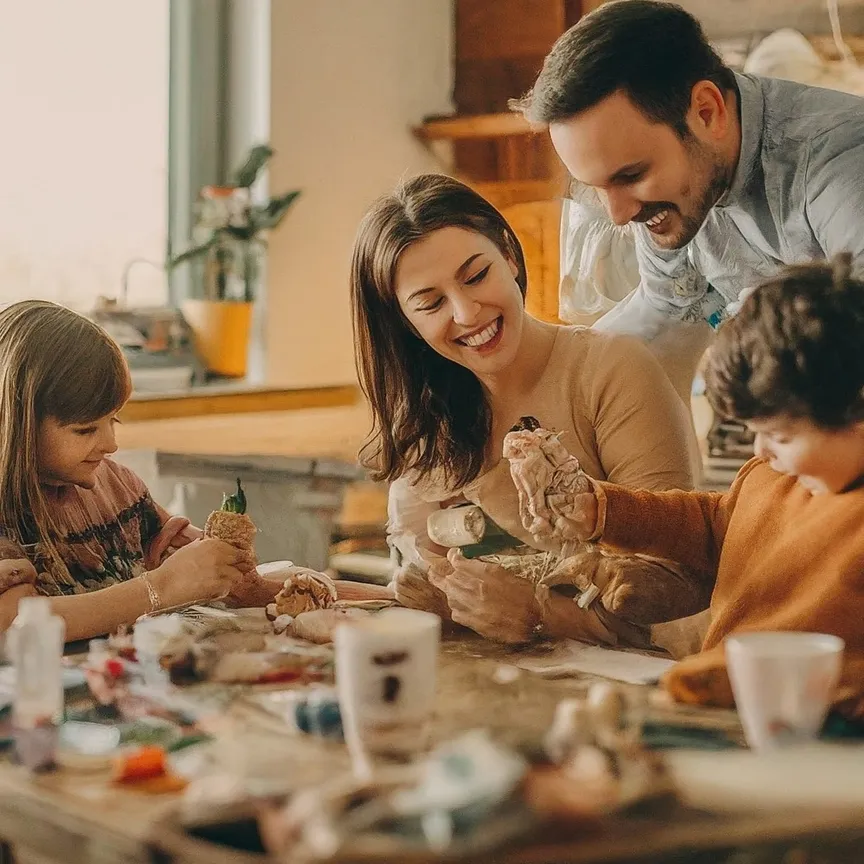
(75, 525)
(450, 360)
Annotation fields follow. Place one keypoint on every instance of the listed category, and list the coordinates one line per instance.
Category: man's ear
(709, 114)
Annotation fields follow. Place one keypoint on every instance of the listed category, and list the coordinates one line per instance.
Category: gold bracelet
(152, 593)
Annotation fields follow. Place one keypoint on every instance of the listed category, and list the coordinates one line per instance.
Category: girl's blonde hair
(53, 363)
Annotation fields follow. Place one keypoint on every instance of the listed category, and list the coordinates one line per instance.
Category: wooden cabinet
(500, 47)
(537, 225)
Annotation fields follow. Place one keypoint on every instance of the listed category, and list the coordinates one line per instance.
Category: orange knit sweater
(784, 559)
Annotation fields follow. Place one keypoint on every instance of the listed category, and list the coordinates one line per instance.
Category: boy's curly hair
(796, 349)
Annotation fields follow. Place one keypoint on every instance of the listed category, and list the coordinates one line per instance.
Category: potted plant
(227, 254)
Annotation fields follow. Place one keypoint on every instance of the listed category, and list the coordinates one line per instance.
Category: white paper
(575, 658)
(816, 776)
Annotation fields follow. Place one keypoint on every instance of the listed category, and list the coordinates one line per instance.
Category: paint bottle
(714, 308)
(468, 528)
(35, 641)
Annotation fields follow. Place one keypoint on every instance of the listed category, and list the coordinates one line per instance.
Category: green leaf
(235, 503)
(273, 212)
(194, 252)
(255, 161)
(240, 232)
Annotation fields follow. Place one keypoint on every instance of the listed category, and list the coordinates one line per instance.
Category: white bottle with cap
(468, 528)
(35, 643)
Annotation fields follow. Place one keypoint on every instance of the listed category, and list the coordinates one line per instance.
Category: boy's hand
(556, 497)
(570, 518)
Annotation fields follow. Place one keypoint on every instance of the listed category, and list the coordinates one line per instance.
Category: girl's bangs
(101, 387)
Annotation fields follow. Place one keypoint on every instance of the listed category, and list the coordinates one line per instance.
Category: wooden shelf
(478, 126)
(235, 401)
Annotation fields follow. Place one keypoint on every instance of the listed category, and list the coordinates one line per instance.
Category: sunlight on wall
(84, 88)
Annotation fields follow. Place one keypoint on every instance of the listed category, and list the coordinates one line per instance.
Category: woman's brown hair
(53, 363)
(430, 414)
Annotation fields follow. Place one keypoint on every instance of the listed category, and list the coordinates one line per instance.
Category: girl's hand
(9, 606)
(16, 571)
(202, 570)
(485, 597)
(176, 533)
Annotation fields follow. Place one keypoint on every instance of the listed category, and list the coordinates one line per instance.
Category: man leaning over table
(725, 177)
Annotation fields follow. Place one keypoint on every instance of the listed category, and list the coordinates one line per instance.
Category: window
(85, 92)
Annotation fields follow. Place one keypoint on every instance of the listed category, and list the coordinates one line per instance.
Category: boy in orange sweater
(785, 546)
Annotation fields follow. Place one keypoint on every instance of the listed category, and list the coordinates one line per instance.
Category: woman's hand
(563, 619)
(176, 533)
(412, 589)
(202, 570)
(487, 599)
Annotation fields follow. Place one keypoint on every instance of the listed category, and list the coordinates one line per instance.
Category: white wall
(84, 92)
(741, 17)
(349, 78)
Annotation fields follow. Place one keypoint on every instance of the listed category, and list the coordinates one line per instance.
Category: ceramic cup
(385, 679)
(783, 684)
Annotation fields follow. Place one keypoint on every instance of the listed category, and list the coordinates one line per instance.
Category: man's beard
(719, 180)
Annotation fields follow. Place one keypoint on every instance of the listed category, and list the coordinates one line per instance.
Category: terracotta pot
(221, 329)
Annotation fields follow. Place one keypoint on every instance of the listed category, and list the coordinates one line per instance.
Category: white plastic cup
(783, 684)
(150, 636)
(385, 679)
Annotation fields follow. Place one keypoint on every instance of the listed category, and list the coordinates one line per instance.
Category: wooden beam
(146, 407)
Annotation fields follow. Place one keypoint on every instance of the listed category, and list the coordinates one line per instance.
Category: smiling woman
(450, 360)
(409, 310)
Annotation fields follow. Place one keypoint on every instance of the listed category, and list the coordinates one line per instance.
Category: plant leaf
(244, 232)
(194, 252)
(235, 503)
(258, 157)
(273, 212)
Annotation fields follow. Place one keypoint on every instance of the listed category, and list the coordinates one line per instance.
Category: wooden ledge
(501, 125)
(234, 400)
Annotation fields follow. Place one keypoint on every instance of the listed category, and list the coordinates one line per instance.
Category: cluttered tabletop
(207, 735)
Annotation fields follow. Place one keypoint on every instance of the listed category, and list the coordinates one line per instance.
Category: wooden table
(73, 817)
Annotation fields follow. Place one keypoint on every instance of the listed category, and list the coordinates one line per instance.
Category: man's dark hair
(655, 52)
(794, 350)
